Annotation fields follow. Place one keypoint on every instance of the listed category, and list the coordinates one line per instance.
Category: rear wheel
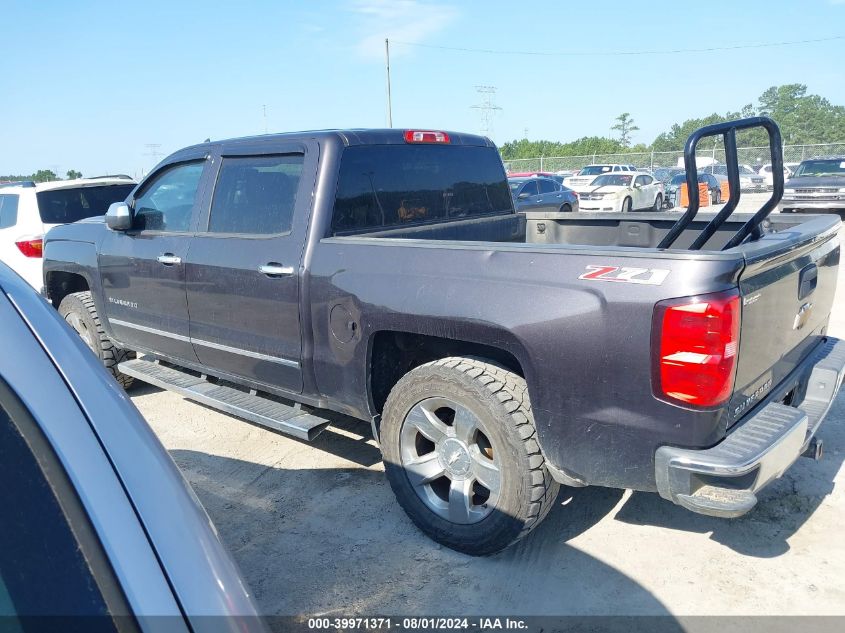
(658, 203)
(461, 454)
(565, 208)
(79, 311)
(626, 205)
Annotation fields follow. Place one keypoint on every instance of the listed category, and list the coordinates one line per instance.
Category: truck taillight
(695, 347)
(32, 247)
(425, 136)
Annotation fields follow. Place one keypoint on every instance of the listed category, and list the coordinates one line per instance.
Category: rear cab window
(63, 206)
(386, 186)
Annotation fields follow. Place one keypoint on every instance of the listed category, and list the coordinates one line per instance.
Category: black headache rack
(751, 229)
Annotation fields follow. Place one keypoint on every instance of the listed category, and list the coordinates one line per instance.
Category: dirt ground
(315, 530)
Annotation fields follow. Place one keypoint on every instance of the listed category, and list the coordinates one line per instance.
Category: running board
(291, 420)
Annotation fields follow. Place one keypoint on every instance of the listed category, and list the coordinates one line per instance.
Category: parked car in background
(749, 180)
(713, 182)
(28, 210)
(768, 178)
(533, 193)
(537, 174)
(665, 174)
(591, 172)
(817, 185)
(97, 523)
(622, 192)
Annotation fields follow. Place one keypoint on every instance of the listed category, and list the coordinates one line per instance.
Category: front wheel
(461, 455)
(626, 205)
(717, 196)
(79, 311)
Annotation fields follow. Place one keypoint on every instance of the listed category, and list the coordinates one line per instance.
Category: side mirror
(119, 217)
(523, 196)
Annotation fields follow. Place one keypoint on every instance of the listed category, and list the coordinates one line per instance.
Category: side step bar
(291, 420)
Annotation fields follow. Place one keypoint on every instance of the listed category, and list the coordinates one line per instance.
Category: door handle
(169, 259)
(275, 270)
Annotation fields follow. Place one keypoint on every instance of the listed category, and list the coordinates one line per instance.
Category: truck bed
(607, 230)
(537, 284)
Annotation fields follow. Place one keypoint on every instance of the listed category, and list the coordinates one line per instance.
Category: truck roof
(347, 137)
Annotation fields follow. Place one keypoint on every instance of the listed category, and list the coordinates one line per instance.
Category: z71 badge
(626, 274)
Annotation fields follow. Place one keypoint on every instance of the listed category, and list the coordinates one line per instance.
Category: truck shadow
(782, 508)
(335, 542)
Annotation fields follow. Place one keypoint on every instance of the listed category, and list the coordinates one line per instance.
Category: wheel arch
(69, 266)
(60, 283)
(393, 353)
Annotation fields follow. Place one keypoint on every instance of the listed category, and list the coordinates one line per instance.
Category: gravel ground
(315, 530)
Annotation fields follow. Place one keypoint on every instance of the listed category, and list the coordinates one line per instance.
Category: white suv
(28, 210)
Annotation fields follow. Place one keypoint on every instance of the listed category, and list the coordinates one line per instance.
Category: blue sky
(90, 84)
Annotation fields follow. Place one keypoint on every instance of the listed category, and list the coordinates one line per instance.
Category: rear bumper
(722, 480)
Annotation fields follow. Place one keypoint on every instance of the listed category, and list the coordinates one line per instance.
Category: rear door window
(256, 195)
(530, 188)
(384, 186)
(8, 210)
(63, 206)
(547, 186)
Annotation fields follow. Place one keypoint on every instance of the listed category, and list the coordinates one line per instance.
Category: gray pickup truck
(384, 275)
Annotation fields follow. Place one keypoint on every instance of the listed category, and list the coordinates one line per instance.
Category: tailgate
(787, 291)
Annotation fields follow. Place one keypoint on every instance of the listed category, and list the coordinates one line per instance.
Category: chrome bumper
(792, 206)
(722, 480)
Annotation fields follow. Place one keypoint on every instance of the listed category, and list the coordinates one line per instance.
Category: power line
(709, 49)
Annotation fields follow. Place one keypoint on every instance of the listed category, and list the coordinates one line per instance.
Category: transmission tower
(487, 108)
(152, 151)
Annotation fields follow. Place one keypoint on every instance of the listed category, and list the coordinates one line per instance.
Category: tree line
(803, 119)
(43, 175)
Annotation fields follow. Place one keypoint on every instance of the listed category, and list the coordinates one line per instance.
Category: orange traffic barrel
(703, 195)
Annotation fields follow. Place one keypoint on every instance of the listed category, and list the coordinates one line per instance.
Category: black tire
(717, 197)
(499, 399)
(626, 205)
(565, 208)
(79, 311)
(658, 203)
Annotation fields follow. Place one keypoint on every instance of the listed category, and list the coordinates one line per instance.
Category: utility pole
(487, 107)
(387, 62)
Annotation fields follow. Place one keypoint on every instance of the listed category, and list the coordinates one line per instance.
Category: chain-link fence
(751, 156)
